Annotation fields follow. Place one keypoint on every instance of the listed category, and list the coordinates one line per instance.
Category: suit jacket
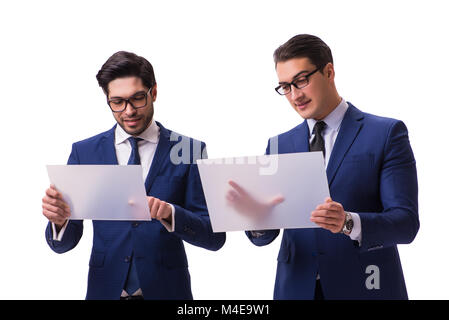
(159, 255)
(372, 172)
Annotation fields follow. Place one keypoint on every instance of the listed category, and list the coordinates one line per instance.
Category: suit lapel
(300, 139)
(162, 149)
(108, 145)
(350, 127)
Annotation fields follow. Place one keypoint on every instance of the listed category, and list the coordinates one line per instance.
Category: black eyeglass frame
(295, 78)
(129, 101)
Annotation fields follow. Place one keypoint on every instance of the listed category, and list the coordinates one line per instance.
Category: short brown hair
(124, 64)
(304, 45)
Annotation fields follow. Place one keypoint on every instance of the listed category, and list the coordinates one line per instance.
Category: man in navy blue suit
(372, 180)
(138, 260)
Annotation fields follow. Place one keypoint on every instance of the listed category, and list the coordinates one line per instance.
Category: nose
(296, 93)
(129, 109)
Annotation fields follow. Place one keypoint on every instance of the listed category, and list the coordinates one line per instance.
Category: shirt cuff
(57, 236)
(170, 226)
(356, 233)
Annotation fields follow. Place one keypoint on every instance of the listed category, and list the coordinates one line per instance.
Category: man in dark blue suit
(136, 260)
(372, 180)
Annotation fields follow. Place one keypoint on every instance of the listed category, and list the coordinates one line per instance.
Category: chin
(131, 131)
(304, 114)
(135, 132)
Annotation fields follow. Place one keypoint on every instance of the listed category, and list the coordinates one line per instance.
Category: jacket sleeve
(192, 219)
(262, 237)
(74, 229)
(398, 223)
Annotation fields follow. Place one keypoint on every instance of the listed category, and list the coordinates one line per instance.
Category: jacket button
(127, 259)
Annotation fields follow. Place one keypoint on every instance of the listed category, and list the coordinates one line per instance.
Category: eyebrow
(295, 76)
(116, 97)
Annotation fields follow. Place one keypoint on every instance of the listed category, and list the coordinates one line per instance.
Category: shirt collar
(333, 120)
(151, 134)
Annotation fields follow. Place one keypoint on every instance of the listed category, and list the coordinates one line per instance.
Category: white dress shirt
(147, 149)
(329, 133)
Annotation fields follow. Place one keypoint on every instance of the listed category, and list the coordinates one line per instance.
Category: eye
(117, 102)
(138, 97)
(300, 82)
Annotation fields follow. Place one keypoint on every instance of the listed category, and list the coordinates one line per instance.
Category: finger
(56, 210)
(277, 200)
(334, 206)
(323, 206)
(57, 203)
(326, 214)
(325, 220)
(154, 208)
(328, 199)
(167, 211)
(237, 187)
(52, 208)
(325, 225)
(233, 194)
(331, 228)
(53, 193)
(53, 217)
(50, 200)
(161, 212)
(230, 196)
(150, 204)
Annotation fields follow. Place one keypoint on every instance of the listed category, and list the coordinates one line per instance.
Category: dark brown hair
(125, 64)
(304, 45)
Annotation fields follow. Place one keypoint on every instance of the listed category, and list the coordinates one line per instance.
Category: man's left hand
(330, 215)
(159, 209)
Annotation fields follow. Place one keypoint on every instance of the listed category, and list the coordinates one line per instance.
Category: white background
(213, 65)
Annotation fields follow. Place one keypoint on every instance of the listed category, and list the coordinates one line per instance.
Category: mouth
(302, 105)
(132, 122)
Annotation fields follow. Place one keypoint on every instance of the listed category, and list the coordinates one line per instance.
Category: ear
(154, 92)
(329, 71)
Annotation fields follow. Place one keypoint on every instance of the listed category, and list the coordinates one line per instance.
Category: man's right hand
(245, 204)
(54, 208)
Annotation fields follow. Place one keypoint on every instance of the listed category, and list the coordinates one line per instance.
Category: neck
(333, 104)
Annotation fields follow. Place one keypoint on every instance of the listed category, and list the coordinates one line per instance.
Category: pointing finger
(237, 187)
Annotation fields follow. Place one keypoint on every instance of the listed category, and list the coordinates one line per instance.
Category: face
(133, 121)
(317, 99)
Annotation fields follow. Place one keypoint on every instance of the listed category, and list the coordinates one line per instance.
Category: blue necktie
(132, 282)
(134, 158)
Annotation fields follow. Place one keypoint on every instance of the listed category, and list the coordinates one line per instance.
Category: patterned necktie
(132, 282)
(317, 143)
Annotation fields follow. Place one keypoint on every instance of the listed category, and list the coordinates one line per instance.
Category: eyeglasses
(138, 100)
(299, 83)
